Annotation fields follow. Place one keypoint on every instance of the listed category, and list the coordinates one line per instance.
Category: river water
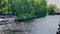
(44, 25)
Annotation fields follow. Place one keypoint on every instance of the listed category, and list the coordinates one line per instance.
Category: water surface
(45, 25)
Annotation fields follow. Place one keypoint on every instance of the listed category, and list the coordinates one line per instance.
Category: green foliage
(51, 8)
(29, 8)
(5, 6)
(26, 8)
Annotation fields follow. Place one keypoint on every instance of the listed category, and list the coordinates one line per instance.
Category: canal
(44, 25)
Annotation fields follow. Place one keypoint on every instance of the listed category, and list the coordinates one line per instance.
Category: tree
(6, 6)
(26, 8)
(29, 8)
(51, 9)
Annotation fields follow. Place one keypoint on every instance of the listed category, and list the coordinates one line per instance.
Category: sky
(56, 2)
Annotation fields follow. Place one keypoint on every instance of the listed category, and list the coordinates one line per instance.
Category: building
(57, 10)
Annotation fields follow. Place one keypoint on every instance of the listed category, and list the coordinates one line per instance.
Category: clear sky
(56, 2)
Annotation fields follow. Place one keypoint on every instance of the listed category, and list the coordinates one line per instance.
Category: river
(44, 25)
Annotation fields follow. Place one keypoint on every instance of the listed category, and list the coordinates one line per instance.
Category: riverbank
(27, 19)
(12, 19)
